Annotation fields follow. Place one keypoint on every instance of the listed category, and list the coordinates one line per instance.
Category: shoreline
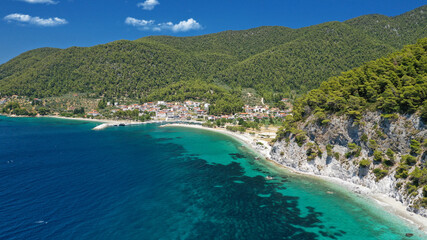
(262, 150)
(105, 123)
(383, 201)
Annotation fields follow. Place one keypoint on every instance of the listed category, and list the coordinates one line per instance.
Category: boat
(269, 178)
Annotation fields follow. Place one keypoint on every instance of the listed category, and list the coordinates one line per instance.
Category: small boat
(269, 178)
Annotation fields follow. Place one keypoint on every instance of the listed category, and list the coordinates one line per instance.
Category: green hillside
(396, 31)
(322, 51)
(393, 84)
(371, 121)
(276, 62)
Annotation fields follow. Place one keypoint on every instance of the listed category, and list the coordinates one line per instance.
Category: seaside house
(161, 114)
(93, 113)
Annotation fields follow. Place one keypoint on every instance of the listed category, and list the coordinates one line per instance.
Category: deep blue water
(61, 180)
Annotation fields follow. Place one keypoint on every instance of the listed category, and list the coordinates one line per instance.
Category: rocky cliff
(386, 154)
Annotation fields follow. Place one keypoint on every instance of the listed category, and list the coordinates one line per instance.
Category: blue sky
(29, 24)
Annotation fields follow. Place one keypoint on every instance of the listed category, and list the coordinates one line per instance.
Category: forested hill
(393, 84)
(366, 126)
(275, 62)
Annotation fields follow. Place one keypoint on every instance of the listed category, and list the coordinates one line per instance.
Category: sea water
(61, 180)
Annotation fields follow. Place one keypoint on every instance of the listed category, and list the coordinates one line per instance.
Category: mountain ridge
(275, 61)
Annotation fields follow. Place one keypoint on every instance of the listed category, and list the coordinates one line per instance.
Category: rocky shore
(294, 158)
(338, 167)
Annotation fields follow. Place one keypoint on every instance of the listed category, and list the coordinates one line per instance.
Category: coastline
(262, 150)
(385, 202)
(105, 123)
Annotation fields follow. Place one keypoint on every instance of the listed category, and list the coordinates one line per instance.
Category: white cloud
(150, 25)
(27, 19)
(40, 1)
(148, 4)
(188, 25)
(138, 23)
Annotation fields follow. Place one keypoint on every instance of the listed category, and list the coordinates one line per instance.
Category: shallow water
(60, 180)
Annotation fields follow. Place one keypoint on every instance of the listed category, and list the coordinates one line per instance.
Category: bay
(61, 180)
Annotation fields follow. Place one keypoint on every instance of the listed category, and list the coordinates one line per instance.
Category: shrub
(319, 152)
(415, 147)
(378, 156)
(372, 144)
(355, 114)
(380, 173)
(364, 163)
(355, 150)
(402, 171)
(79, 110)
(21, 111)
(300, 139)
(43, 111)
(325, 122)
(411, 189)
(416, 176)
(320, 115)
(211, 125)
(364, 138)
(391, 116)
(11, 106)
(390, 154)
(329, 148)
(337, 156)
(352, 146)
(235, 128)
(409, 160)
(311, 155)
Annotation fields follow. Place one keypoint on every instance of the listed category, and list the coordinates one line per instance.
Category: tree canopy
(397, 83)
(274, 62)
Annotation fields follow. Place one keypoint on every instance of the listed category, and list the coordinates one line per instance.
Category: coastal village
(170, 111)
(191, 110)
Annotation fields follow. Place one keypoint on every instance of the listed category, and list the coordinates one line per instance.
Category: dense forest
(274, 62)
(393, 84)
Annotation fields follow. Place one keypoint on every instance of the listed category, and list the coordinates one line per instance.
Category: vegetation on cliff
(375, 115)
(393, 84)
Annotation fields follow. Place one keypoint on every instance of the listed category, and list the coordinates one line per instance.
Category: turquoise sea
(61, 180)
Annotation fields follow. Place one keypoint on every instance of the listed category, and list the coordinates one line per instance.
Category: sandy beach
(387, 203)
